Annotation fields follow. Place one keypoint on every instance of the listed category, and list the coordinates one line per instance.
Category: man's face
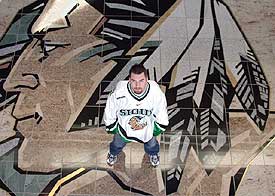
(138, 82)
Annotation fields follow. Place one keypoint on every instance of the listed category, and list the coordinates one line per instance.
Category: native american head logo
(137, 122)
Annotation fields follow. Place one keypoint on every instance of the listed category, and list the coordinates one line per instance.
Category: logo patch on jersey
(125, 112)
(137, 122)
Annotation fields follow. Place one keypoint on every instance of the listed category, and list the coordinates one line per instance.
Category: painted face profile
(55, 75)
(59, 70)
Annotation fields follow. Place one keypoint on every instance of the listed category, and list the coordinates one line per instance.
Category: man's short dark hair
(138, 69)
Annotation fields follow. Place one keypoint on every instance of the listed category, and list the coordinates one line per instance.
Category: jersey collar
(141, 96)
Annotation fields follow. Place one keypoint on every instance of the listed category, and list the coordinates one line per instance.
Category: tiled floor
(214, 60)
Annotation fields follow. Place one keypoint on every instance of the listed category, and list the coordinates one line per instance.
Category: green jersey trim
(123, 137)
(113, 128)
(123, 134)
(158, 129)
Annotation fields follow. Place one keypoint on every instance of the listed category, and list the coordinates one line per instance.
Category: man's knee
(118, 142)
(151, 143)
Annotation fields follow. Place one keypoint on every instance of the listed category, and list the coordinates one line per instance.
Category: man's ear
(129, 77)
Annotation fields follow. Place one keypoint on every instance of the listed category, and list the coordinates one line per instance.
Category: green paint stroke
(18, 31)
(18, 183)
(94, 51)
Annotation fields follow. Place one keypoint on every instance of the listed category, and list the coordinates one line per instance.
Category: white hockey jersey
(136, 117)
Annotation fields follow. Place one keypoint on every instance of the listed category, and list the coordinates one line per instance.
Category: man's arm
(160, 115)
(110, 114)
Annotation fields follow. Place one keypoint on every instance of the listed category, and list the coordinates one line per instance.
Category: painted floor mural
(214, 59)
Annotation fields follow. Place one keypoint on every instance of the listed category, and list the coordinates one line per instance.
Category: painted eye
(50, 46)
(47, 46)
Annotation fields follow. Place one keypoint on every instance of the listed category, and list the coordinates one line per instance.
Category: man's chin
(137, 91)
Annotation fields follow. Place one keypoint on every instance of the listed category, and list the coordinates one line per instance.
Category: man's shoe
(111, 159)
(154, 160)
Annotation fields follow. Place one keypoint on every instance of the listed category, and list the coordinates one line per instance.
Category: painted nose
(28, 80)
(23, 75)
(138, 84)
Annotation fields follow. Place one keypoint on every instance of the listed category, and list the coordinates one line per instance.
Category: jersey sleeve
(110, 114)
(160, 114)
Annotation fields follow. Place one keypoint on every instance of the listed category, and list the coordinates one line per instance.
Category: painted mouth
(37, 117)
